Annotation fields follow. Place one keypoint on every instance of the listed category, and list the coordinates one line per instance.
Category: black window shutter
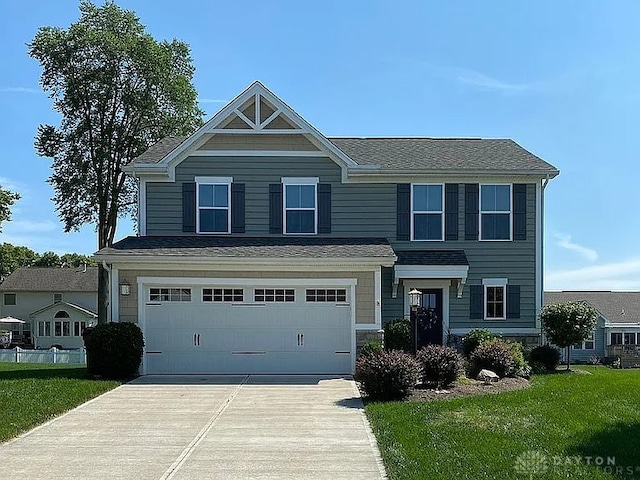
(324, 208)
(476, 302)
(275, 208)
(471, 210)
(520, 211)
(237, 208)
(189, 207)
(451, 211)
(404, 211)
(513, 301)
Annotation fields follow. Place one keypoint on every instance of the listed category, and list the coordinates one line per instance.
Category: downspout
(545, 182)
(108, 269)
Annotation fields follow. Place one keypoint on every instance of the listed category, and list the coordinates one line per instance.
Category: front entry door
(429, 317)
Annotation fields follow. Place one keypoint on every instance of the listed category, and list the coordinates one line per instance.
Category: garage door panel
(218, 337)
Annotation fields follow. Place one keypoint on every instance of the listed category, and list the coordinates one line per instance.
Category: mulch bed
(468, 388)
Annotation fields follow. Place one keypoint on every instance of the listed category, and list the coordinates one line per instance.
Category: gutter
(545, 182)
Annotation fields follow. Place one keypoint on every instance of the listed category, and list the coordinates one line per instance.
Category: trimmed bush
(475, 338)
(371, 347)
(440, 365)
(547, 356)
(397, 335)
(114, 350)
(496, 356)
(387, 375)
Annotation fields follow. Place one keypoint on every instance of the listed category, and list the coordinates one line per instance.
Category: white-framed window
(57, 297)
(495, 298)
(78, 328)
(44, 329)
(222, 295)
(616, 338)
(62, 328)
(427, 211)
(213, 202)
(270, 295)
(9, 298)
(496, 209)
(169, 294)
(300, 204)
(587, 344)
(314, 295)
(630, 338)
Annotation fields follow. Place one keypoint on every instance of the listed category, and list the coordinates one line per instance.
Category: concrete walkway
(205, 427)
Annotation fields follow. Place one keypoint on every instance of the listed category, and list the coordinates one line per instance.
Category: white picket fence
(53, 355)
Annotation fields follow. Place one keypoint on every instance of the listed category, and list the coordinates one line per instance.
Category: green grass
(561, 415)
(31, 394)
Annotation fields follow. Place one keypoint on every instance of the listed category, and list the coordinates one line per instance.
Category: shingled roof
(414, 154)
(251, 247)
(617, 307)
(39, 279)
(432, 257)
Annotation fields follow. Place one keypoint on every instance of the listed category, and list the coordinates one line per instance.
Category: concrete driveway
(205, 427)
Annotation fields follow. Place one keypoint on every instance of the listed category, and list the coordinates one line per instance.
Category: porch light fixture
(414, 298)
(125, 288)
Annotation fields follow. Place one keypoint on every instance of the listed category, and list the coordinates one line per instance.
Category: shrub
(114, 350)
(397, 335)
(387, 375)
(518, 357)
(547, 356)
(496, 356)
(440, 365)
(371, 347)
(475, 338)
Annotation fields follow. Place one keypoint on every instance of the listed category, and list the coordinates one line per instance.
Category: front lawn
(31, 394)
(551, 430)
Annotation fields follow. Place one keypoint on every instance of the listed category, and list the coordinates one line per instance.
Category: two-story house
(56, 304)
(266, 247)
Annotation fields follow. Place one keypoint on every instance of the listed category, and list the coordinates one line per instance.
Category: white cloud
(485, 82)
(565, 242)
(621, 275)
(211, 100)
(12, 185)
(29, 226)
(20, 90)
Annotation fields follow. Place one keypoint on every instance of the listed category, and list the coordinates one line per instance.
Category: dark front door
(429, 317)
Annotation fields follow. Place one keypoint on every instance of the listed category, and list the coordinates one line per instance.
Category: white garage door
(242, 330)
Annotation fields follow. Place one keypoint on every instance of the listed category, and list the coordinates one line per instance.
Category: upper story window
(300, 205)
(495, 212)
(213, 204)
(427, 212)
(9, 298)
(57, 297)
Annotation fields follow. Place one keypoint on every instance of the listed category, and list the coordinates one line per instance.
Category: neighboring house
(266, 247)
(618, 322)
(57, 303)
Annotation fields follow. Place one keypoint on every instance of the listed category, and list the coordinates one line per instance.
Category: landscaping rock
(488, 376)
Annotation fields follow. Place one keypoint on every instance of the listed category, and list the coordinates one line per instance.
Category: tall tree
(7, 199)
(118, 91)
(568, 324)
(14, 256)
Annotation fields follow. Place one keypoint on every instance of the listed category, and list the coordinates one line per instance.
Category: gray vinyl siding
(358, 210)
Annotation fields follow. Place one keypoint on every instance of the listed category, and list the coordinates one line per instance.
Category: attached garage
(274, 327)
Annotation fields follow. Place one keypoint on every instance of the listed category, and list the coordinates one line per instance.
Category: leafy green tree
(48, 259)
(7, 199)
(75, 260)
(118, 91)
(12, 257)
(568, 323)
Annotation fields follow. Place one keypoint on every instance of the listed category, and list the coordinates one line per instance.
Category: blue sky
(560, 78)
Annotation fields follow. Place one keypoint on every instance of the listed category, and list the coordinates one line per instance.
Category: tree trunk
(568, 358)
(103, 294)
